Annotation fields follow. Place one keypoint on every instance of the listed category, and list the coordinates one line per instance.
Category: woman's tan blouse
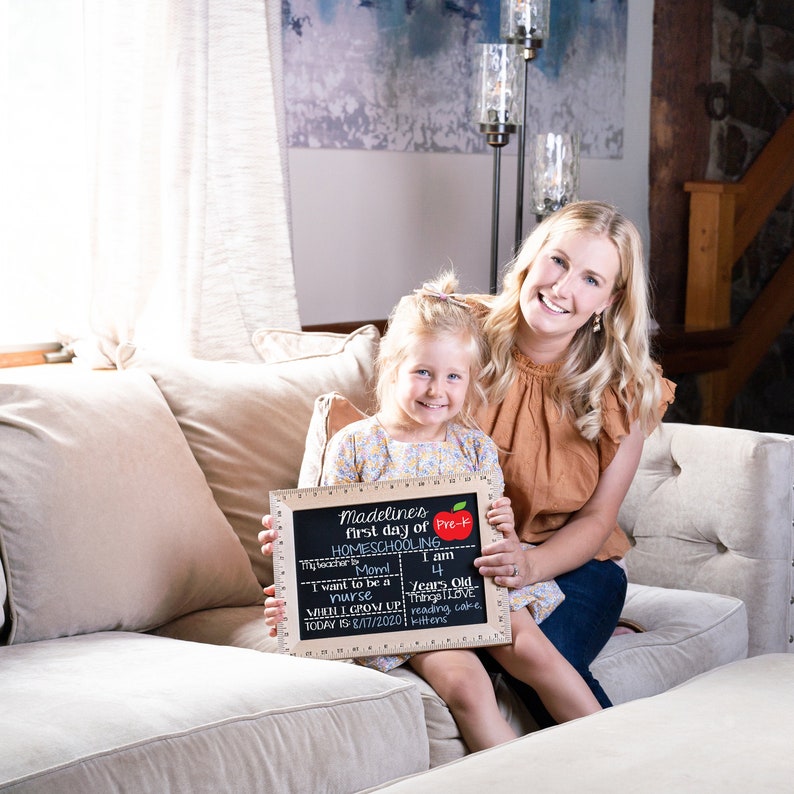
(550, 469)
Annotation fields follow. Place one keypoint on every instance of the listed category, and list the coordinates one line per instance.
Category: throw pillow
(279, 344)
(247, 423)
(106, 521)
(331, 413)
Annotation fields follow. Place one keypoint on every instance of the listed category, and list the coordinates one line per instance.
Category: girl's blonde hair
(436, 310)
(618, 356)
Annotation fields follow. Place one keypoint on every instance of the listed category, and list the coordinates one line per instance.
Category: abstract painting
(397, 74)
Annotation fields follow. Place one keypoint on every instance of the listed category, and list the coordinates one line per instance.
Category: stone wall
(753, 88)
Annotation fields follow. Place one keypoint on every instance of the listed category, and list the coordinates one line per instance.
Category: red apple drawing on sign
(455, 525)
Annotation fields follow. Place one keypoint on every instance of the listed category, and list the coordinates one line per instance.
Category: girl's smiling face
(572, 278)
(430, 386)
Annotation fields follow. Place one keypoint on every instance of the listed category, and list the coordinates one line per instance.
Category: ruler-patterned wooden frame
(368, 560)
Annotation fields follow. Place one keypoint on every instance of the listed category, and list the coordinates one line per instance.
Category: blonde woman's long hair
(434, 311)
(617, 357)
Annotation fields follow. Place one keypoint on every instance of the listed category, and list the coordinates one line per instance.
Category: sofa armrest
(711, 509)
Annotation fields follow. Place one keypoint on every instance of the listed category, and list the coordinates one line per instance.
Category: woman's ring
(515, 570)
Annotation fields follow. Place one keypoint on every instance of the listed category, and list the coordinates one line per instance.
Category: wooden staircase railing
(723, 220)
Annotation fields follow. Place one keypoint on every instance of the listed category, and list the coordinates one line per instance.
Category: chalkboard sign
(386, 567)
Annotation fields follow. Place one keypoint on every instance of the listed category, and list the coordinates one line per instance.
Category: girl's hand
(274, 609)
(267, 537)
(504, 560)
(500, 515)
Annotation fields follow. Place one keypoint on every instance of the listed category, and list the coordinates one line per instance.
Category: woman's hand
(504, 560)
(274, 609)
(267, 537)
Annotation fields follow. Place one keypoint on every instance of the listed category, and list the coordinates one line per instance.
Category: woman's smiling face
(572, 278)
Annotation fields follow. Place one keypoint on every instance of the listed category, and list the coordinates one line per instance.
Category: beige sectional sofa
(134, 655)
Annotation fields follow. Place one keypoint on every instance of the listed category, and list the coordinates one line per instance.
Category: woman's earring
(596, 323)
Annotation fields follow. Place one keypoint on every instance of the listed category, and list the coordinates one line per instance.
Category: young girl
(428, 389)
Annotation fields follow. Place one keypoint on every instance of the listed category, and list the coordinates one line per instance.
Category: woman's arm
(578, 541)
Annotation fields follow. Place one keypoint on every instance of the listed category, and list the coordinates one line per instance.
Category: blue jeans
(579, 628)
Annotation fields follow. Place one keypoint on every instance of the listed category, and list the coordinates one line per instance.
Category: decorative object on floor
(555, 172)
(498, 109)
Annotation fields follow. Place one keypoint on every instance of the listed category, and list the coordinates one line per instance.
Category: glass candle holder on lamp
(525, 22)
(498, 93)
(555, 172)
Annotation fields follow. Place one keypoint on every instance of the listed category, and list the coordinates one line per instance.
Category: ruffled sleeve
(617, 423)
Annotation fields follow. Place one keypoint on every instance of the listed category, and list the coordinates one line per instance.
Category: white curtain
(190, 235)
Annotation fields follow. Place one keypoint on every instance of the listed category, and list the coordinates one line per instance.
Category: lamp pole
(497, 137)
(529, 54)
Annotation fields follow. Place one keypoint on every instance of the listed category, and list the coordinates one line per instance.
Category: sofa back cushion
(106, 521)
(712, 508)
(247, 423)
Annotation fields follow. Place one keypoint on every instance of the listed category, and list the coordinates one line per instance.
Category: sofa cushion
(686, 633)
(247, 423)
(120, 711)
(728, 730)
(106, 521)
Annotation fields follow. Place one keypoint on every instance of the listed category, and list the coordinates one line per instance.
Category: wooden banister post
(711, 223)
(712, 214)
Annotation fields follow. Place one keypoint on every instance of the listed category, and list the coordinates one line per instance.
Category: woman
(572, 394)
